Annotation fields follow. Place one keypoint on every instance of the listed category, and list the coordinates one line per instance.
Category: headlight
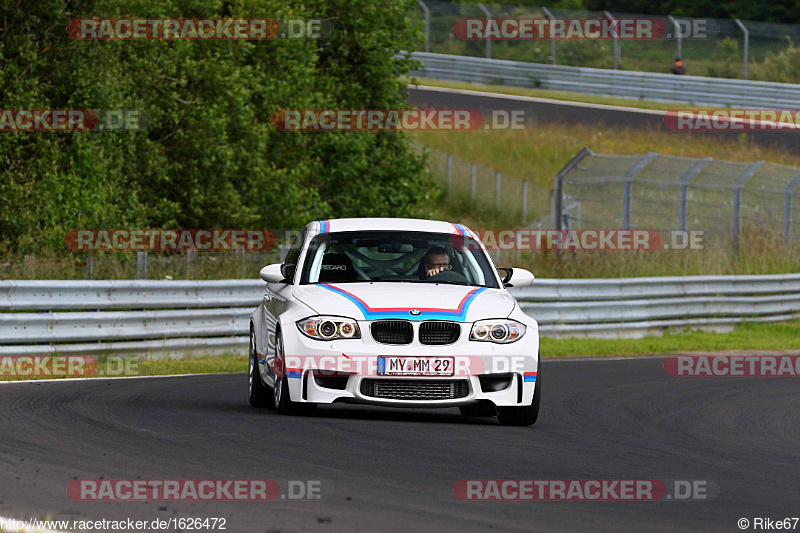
(325, 328)
(500, 331)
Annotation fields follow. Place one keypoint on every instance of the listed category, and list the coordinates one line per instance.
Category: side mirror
(517, 277)
(288, 271)
(273, 273)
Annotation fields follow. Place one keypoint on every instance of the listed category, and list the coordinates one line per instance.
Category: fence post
(241, 252)
(616, 40)
(488, 40)
(787, 210)
(525, 202)
(449, 172)
(141, 265)
(427, 14)
(627, 193)
(89, 265)
(677, 35)
(684, 188)
(474, 169)
(746, 44)
(497, 189)
(552, 35)
(737, 200)
(558, 188)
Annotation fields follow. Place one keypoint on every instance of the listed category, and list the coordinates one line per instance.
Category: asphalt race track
(544, 111)
(394, 470)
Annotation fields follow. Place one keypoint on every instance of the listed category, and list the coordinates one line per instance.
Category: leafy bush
(780, 66)
(211, 157)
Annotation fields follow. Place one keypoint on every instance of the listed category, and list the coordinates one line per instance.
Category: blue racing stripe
(458, 314)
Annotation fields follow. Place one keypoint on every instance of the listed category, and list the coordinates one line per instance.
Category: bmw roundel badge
(414, 312)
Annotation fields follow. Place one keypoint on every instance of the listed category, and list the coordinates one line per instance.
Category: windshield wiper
(447, 282)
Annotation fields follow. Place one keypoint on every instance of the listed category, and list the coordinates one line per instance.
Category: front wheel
(525, 415)
(281, 395)
(259, 395)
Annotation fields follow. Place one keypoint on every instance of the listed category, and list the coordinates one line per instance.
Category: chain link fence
(725, 48)
(488, 189)
(141, 265)
(723, 199)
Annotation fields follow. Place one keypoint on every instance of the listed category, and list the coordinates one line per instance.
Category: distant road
(546, 110)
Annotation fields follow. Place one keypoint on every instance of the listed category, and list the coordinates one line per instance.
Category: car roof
(397, 224)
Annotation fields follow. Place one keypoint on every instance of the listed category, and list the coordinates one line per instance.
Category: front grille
(435, 332)
(415, 389)
(392, 331)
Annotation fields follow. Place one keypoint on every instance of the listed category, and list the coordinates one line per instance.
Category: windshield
(397, 256)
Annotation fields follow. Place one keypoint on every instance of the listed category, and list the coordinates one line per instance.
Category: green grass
(537, 154)
(748, 336)
(128, 366)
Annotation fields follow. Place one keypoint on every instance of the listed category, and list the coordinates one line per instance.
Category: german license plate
(415, 366)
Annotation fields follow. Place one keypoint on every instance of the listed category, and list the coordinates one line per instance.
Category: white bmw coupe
(398, 313)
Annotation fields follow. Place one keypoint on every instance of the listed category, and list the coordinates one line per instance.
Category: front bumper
(504, 375)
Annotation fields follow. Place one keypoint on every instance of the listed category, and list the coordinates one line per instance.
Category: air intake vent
(434, 332)
(392, 331)
(415, 389)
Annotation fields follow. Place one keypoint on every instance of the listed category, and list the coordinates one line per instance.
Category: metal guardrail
(627, 84)
(166, 318)
(157, 318)
(636, 307)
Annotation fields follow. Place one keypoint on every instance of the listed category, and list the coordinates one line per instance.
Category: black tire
(259, 394)
(527, 414)
(281, 396)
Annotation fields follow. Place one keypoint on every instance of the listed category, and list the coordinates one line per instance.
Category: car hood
(409, 301)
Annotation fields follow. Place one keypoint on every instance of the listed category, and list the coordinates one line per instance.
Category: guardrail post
(552, 35)
(746, 44)
(141, 265)
(677, 35)
(627, 193)
(687, 178)
(427, 14)
(787, 210)
(737, 200)
(474, 187)
(497, 189)
(488, 40)
(449, 172)
(616, 40)
(525, 201)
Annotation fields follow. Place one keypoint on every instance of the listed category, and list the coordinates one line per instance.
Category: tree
(210, 157)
